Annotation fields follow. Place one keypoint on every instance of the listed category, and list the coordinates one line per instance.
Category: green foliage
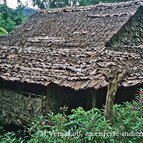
(10, 18)
(3, 31)
(88, 2)
(10, 138)
(87, 126)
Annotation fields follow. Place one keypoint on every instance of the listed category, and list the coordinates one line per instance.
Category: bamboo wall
(15, 107)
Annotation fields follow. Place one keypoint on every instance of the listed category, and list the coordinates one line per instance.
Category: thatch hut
(64, 57)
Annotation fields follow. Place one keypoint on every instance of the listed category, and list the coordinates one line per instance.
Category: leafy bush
(87, 126)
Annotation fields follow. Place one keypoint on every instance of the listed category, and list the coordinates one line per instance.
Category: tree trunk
(111, 92)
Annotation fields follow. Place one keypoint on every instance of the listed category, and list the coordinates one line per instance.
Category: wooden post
(93, 100)
(51, 105)
(111, 92)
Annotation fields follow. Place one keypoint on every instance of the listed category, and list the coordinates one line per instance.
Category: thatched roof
(68, 47)
(84, 26)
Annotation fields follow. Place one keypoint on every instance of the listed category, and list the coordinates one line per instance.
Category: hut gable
(67, 47)
(131, 34)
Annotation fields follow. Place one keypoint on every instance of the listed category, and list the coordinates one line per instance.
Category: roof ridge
(99, 5)
(108, 15)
